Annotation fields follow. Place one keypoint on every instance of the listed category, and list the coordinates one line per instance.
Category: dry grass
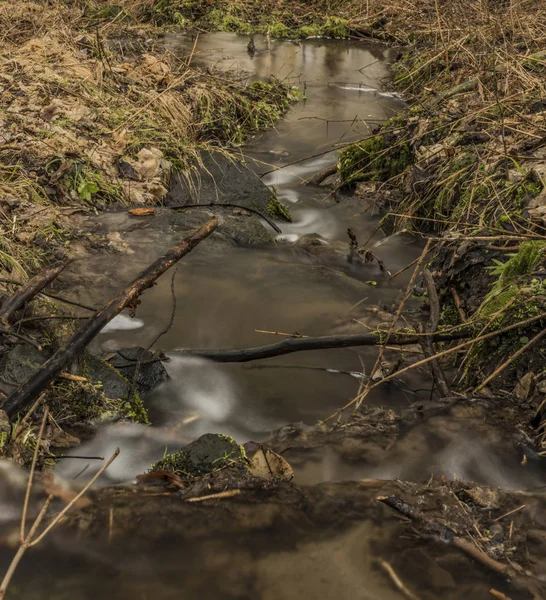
(85, 122)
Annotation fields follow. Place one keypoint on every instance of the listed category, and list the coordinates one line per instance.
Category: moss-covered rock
(377, 158)
(277, 209)
(205, 455)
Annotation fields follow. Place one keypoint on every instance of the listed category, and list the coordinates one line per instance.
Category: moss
(277, 209)
(374, 159)
(515, 303)
(449, 317)
(85, 402)
(518, 265)
(209, 453)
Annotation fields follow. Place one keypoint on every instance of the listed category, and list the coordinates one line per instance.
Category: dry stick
(74, 500)
(28, 290)
(291, 344)
(30, 541)
(518, 577)
(31, 475)
(404, 268)
(25, 394)
(19, 336)
(424, 361)
(396, 580)
(23, 548)
(432, 328)
(407, 293)
(270, 222)
(507, 362)
(52, 296)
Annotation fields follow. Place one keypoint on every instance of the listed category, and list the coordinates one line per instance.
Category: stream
(228, 297)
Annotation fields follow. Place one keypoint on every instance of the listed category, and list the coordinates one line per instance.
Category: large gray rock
(219, 180)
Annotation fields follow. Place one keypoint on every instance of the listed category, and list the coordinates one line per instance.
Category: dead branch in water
(28, 290)
(519, 578)
(453, 349)
(23, 397)
(269, 221)
(319, 177)
(326, 342)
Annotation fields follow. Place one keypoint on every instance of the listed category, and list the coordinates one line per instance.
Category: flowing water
(227, 297)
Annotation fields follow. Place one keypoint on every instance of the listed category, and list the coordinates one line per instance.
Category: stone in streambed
(206, 454)
(219, 181)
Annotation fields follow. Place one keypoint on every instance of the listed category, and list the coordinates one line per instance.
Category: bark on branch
(23, 397)
(290, 345)
(28, 290)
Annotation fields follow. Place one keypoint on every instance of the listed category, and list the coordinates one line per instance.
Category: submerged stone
(219, 181)
(151, 371)
(206, 454)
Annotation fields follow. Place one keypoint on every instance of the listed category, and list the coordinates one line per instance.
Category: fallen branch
(52, 296)
(319, 177)
(28, 290)
(523, 580)
(269, 221)
(23, 397)
(290, 345)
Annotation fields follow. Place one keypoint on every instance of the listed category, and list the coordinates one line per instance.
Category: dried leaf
(270, 465)
(166, 476)
(525, 386)
(141, 212)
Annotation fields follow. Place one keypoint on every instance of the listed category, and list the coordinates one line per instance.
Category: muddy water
(228, 296)
(224, 295)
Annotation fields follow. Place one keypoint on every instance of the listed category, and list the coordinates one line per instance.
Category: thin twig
(31, 474)
(396, 580)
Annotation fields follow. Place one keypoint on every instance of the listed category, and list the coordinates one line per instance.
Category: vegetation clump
(209, 453)
(373, 159)
(277, 209)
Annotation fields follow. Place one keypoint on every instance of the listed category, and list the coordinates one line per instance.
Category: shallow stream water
(225, 298)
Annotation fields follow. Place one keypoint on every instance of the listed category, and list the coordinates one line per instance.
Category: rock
(114, 385)
(245, 231)
(219, 181)
(150, 374)
(208, 453)
(17, 365)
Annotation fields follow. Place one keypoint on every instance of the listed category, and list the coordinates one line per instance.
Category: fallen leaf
(141, 212)
(524, 387)
(270, 465)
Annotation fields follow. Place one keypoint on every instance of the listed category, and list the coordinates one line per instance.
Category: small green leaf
(523, 339)
(86, 189)
(370, 282)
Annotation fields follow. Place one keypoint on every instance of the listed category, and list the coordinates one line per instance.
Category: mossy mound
(207, 454)
(377, 158)
(277, 209)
